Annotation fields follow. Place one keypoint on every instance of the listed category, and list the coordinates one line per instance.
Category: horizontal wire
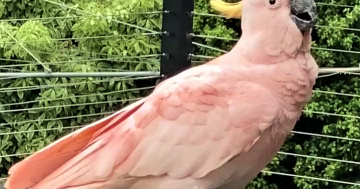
(51, 129)
(331, 114)
(69, 51)
(68, 105)
(97, 59)
(340, 70)
(349, 73)
(335, 5)
(104, 69)
(15, 60)
(339, 28)
(201, 56)
(336, 93)
(336, 50)
(39, 130)
(15, 155)
(84, 38)
(65, 62)
(212, 37)
(199, 61)
(57, 119)
(80, 60)
(207, 14)
(82, 16)
(113, 69)
(335, 71)
(9, 75)
(74, 51)
(315, 48)
(110, 69)
(11, 69)
(327, 75)
(117, 21)
(325, 136)
(28, 88)
(209, 47)
(73, 61)
(320, 158)
(77, 96)
(311, 178)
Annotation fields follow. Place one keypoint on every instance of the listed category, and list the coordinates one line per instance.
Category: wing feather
(48, 159)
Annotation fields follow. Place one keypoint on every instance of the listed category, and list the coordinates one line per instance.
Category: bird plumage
(214, 126)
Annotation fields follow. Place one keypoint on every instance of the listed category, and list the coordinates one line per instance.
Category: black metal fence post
(176, 44)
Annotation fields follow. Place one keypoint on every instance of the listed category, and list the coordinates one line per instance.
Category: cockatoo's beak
(304, 14)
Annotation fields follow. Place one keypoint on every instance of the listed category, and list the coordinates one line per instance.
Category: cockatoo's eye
(274, 4)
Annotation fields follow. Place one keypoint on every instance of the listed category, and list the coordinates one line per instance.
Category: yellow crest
(229, 10)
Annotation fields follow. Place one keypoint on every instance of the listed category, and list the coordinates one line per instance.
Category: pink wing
(36, 167)
(191, 125)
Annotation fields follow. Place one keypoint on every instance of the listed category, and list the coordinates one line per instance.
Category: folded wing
(189, 126)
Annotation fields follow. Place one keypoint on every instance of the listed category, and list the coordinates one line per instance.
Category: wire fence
(113, 74)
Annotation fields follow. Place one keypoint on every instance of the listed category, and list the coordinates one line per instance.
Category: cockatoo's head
(272, 30)
(302, 12)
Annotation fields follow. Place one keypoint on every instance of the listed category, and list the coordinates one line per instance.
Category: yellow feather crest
(229, 10)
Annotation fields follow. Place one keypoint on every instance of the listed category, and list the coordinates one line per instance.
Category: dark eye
(272, 2)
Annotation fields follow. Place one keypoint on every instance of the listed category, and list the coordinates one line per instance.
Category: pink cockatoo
(215, 126)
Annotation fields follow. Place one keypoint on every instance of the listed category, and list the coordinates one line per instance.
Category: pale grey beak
(304, 14)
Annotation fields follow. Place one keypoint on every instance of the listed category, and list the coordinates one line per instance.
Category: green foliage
(91, 41)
